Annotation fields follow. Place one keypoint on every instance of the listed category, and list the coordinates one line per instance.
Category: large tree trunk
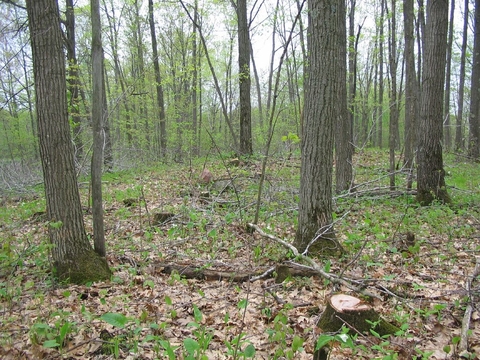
(244, 79)
(74, 258)
(430, 172)
(327, 29)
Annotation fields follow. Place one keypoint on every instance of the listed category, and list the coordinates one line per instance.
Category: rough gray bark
(326, 28)
(430, 172)
(74, 259)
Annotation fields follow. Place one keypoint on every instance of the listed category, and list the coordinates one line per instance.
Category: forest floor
(423, 286)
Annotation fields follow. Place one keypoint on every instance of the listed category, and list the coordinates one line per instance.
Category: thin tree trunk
(459, 145)
(244, 79)
(474, 141)
(162, 132)
(411, 90)
(97, 125)
(393, 128)
(73, 79)
(446, 103)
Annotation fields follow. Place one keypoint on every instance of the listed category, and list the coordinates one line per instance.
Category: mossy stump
(342, 309)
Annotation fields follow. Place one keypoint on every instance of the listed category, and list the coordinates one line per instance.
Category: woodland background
(171, 75)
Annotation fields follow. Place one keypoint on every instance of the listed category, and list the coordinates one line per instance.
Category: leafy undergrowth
(143, 313)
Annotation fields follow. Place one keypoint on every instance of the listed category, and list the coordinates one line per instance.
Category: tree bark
(461, 86)
(344, 124)
(98, 115)
(474, 141)
(430, 172)
(446, 103)
(327, 28)
(411, 90)
(162, 133)
(74, 259)
(73, 79)
(244, 79)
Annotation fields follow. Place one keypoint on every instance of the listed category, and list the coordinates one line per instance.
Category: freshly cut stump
(345, 309)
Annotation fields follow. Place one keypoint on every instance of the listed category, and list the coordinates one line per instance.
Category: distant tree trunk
(474, 141)
(393, 128)
(74, 259)
(195, 84)
(430, 172)
(98, 115)
(162, 132)
(381, 84)
(245, 79)
(73, 79)
(446, 103)
(344, 122)
(326, 30)
(411, 90)
(461, 86)
(352, 71)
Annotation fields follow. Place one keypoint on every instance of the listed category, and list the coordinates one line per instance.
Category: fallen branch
(314, 266)
(463, 346)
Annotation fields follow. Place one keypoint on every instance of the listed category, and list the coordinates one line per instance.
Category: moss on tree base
(86, 267)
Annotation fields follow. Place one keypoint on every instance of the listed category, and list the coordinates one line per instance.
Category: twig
(463, 346)
(313, 265)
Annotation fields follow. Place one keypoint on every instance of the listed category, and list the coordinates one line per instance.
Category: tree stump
(345, 309)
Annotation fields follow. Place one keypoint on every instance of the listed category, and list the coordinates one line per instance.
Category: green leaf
(249, 351)
(51, 344)
(115, 319)
(242, 304)
(191, 345)
(197, 314)
(297, 343)
(168, 301)
(322, 341)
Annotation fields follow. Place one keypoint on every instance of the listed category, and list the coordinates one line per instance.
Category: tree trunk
(344, 123)
(393, 123)
(381, 83)
(98, 115)
(411, 90)
(327, 28)
(446, 103)
(74, 258)
(73, 79)
(244, 79)
(461, 86)
(430, 172)
(474, 141)
(162, 133)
